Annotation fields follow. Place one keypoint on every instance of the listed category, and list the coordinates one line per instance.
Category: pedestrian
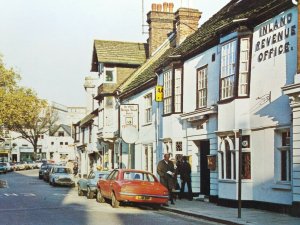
(75, 169)
(185, 177)
(166, 172)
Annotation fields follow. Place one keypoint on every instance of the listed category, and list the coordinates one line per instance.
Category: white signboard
(129, 122)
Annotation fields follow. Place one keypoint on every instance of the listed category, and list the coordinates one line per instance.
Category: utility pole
(240, 175)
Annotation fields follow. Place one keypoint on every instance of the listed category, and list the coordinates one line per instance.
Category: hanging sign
(159, 93)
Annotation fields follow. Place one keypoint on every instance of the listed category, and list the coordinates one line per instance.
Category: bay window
(168, 91)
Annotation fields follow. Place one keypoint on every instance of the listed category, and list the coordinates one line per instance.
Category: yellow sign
(159, 93)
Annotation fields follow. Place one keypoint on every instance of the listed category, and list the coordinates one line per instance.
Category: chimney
(161, 22)
(187, 21)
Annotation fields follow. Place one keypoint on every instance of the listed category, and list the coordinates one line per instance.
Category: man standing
(185, 176)
(165, 170)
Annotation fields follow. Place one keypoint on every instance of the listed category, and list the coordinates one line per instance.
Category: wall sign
(273, 37)
(159, 93)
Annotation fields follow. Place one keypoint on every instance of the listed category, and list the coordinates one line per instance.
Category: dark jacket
(166, 179)
(185, 171)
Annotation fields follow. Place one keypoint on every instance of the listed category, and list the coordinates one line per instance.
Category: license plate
(143, 198)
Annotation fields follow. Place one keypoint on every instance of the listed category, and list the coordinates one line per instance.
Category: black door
(204, 171)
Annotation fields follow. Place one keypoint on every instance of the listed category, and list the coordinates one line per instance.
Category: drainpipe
(157, 124)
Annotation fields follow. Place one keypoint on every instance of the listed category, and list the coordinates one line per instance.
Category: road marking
(28, 194)
(11, 194)
(59, 194)
(20, 194)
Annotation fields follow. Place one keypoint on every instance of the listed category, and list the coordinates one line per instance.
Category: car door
(112, 183)
(90, 179)
(84, 182)
(105, 184)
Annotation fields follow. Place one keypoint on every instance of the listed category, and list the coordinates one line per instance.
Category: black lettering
(274, 39)
(265, 30)
(286, 32)
(275, 25)
(263, 43)
(275, 51)
(271, 52)
(282, 21)
(270, 28)
(260, 57)
(268, 40)
(293, 30)
(286, 47)
(265, 54)
(280, 49)
(289, 17)
(280, 36)
(257, 47)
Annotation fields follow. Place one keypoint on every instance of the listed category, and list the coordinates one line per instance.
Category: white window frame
(168, 87)
(114, 74)
(148, 108)
(178, 90)
(223, 159)
(228, 69)
(244, 66)
(278, 157)
(202, 87)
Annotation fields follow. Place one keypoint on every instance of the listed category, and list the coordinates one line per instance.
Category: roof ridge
(127, 42)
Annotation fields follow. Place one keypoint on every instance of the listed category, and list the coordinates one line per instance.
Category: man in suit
(165, 170)
(185, 176)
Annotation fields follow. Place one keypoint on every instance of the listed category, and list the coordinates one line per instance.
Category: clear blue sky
(49, 42)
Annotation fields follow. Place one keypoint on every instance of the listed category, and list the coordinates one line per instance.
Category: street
(26, 200)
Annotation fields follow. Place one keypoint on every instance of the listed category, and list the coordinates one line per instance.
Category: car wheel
(80, 192)
(99, 197)
(114, 202)
(89, 193)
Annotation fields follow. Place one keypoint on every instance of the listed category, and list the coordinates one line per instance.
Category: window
(109, 75)
(167, 76)
(66, 143)
(246, 157)
(178, 146)
(228, 67)
(61, 143)
(227, 165)
(284, 156)
(82, 131)
(178, 90)
(52, 143)
(202, 87)
(148, 108)
(90, 133)
(244, 67)
(148, 158)
(61, 134)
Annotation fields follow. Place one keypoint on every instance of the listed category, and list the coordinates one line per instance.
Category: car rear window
(139, 176)
(62, 170)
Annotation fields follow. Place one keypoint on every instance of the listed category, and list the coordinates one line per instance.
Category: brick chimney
(187, 21)
(161, 20)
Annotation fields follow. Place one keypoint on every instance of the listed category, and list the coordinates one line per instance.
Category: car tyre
(89, 194)
(114, 202)
(80, 192)
(99, 197)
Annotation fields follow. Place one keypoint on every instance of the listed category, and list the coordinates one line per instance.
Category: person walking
(165, 170)
(185, 177)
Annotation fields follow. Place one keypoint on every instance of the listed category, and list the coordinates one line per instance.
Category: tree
(21, 110)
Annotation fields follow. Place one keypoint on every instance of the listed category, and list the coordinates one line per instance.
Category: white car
(61, 175)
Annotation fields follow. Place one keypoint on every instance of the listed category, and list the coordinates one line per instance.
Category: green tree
(21, 110)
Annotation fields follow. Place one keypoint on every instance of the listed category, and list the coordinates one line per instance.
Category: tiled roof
(118, 52)
(256, 11)
(146, 72)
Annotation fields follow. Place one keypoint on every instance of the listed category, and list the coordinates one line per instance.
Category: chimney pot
(171, 7)
(159, 7)
(154, 7)
(165, 6)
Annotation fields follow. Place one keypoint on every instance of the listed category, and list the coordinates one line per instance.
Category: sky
(50, 42)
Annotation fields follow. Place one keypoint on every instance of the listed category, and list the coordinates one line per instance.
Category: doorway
(204, 150)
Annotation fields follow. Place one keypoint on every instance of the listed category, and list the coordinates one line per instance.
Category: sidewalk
(225, 215)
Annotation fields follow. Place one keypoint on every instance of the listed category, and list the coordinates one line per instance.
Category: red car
(127, 185)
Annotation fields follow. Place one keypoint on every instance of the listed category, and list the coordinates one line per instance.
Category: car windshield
(139, 176)
(61, 170)
(101, 175)
(44, 167)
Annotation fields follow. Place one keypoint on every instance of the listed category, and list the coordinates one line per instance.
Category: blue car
(89, 185)
(3, 168)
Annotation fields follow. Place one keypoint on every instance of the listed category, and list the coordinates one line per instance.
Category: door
(204, 149)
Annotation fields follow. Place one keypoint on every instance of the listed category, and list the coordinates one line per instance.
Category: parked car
(42, 170)
(20, 166)
(127, 185)
(8, 167)
(89, 185)
(61, 175)
(13, 166)
(47, 172)
(3, 168)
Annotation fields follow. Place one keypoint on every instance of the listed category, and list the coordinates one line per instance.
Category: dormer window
(110, 75)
